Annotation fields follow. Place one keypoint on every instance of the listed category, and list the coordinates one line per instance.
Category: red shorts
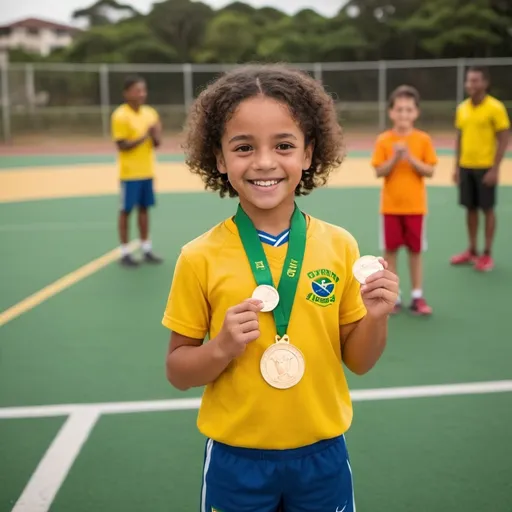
(404, 230)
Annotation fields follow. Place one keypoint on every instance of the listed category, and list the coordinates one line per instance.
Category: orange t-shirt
(404, 191)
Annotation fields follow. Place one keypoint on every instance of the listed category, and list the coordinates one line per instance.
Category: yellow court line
(61, 284)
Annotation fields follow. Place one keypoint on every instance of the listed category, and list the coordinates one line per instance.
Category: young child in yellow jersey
(274, 290)
(136, 131)
(404, 156)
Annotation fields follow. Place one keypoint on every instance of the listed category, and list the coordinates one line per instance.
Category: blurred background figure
(136, 130)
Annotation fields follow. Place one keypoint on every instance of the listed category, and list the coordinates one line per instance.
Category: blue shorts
(315, 478)
(137, 193)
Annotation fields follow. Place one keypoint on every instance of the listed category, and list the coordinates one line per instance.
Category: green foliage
(180, 24)
(236, 48)
(104, 12)
(452, 26)
(190, 31)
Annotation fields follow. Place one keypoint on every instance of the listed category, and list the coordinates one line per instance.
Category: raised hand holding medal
(282, 364)
(240, 327)
(379, 286)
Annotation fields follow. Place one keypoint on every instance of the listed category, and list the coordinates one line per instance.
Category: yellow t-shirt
(479, 125)
(213, 274)
(128, 124)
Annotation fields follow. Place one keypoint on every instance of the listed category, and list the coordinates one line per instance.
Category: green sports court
(88, 421)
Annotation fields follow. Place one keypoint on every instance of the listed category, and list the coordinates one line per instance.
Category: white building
(36, 35)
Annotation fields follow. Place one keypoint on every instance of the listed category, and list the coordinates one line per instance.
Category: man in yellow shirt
(136, 130)
(483, 132)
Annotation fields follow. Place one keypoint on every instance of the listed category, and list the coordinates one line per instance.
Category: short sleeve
(352, 307)
(379, 153)
(119, 127)
(458, 122)
(187, 310)
(429, 152)
(500, 118)
(153, 113)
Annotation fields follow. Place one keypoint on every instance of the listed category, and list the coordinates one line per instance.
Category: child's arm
(363, 342)
(422, 168)
(120, 134)
(382, 166)
(386, 168)
(190, 363)
(156, 134)
(127, 145)
(156, 130)
(425, 166)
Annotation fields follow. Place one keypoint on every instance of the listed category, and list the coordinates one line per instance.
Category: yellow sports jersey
(127, 124)
(479, 125)
(213, 274)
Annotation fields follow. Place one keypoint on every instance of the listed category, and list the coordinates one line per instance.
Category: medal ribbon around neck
(291, 268)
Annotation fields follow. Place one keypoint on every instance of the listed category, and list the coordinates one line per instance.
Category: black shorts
(473, 193)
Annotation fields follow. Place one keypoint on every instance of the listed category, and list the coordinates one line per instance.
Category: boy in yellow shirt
(483, 130)
(274, 290)
(136, 130)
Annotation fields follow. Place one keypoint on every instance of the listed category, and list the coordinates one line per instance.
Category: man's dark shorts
(473, 193)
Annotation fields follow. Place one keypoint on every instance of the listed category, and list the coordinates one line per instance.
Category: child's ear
(221, 164)
(308, 155)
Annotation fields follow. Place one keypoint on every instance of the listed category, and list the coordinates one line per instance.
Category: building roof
(39, 23)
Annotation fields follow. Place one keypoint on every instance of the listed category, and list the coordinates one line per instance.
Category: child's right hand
(401, 149)
(240, 327)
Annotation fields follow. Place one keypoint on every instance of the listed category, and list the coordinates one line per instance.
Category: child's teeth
(265, 183)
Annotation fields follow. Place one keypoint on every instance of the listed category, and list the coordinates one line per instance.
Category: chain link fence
(78, 99)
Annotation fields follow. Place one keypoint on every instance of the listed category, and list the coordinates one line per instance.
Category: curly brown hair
(309, 104)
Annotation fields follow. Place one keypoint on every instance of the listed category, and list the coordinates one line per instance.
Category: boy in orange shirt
(404, 156)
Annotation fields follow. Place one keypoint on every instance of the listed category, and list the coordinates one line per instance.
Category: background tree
(191, 31)
(104, 12)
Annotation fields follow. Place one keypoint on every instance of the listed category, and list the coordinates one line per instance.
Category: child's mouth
(265, 183)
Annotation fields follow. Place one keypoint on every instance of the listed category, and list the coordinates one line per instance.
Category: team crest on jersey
(323, 285)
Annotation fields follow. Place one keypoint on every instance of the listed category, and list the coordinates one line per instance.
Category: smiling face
(404, 113)
(476, 84)
(263, 153)
(136, 94)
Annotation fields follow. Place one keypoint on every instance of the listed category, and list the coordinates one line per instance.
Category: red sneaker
(397, 309)
(484, 263)
(464, 258)
(420, 307)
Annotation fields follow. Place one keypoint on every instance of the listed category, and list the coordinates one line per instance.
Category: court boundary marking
(62, 283)
(52, 470)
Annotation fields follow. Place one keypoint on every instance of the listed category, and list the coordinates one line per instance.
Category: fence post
(461, 65)
(318, 71)
(6, 107)
(30, 87)
(105, 99)
(188, 86)
(382, 94)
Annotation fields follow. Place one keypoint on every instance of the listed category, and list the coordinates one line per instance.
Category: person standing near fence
(136, 130)
(403, 157)
(483, 127)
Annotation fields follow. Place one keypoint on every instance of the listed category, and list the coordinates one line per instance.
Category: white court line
(53, 469)
(51, 472)
(181, 404)
(56, 226)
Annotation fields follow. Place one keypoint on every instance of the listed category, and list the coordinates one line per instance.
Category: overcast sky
(60, 10)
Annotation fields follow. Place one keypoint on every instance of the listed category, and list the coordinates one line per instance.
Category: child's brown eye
(284, 146)
(243, 148)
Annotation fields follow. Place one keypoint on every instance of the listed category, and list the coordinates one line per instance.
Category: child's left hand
(402, 150)
(380, 292)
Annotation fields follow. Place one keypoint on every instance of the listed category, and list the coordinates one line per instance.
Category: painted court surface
(88, 421)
